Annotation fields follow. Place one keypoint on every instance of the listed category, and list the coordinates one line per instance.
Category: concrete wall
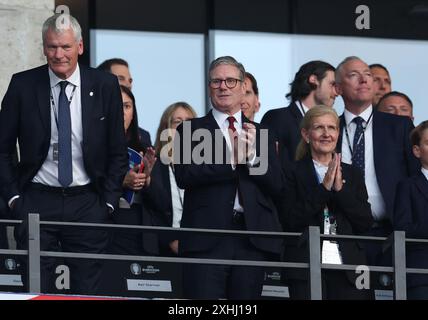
(20, 36)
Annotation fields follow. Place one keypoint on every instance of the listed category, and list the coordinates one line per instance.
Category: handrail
(313, 236)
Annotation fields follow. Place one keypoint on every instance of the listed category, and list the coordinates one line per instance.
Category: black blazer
(26, 116)
(211, 189)
(303, 205)
(393, 156)
(285, 123)
(411, 216)
(158, 197)
(145, 139)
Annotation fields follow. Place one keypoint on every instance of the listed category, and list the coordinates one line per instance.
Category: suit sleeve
(301, 207)
(267, 174)
(117, 152)
(157, 196)
(413, 164)
(405, 215)
(9, 124)
(189, 174)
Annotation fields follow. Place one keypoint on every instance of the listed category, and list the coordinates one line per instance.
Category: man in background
(313, 84)
(396, 103)
(381, 81)
(250, 103)
(120, 68)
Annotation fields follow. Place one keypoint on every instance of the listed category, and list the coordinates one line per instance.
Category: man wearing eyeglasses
(226, 195)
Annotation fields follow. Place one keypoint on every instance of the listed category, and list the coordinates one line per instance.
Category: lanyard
(54, 107)
(361, 135)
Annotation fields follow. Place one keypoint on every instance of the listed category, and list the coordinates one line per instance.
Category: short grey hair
(228, 60)
(69, 22)
(340, 65)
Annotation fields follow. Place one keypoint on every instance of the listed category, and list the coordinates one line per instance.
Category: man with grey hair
(68, 120)
(368, 137)
(226, 194)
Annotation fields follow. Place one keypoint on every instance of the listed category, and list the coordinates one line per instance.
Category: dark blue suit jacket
(303, 203)
(285, 124)
(210, 191)
(393, 157)
(25, 115)
(411, 216)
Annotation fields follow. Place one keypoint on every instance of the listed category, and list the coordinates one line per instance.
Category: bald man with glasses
(227, 195)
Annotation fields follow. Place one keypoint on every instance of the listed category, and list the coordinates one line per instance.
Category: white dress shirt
(330, 252)
(302, 108)
(223, 123)
(48, 173)
(177, 196)
(425, 172)
(375, 196)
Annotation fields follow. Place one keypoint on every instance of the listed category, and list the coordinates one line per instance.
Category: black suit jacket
(210, 191)
(285, 123)
(411, 216)
(144, 138)
(393, 156)
(303, 205)
(26, 116)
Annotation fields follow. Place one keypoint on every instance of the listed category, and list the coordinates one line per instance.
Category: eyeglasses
(229, 82)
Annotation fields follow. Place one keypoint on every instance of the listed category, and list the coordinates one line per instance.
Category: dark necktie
(358, 145)
(65, 171)
(233, 135)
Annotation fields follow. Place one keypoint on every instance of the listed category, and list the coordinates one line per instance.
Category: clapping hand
(333, 177)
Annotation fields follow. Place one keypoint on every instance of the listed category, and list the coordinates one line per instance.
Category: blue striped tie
(359, 145)
(65, 170)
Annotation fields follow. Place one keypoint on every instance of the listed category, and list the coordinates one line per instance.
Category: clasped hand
(134, 179)
(333, 177)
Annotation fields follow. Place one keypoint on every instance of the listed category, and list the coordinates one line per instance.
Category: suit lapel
(339, 140)
(43, 99)
(86, 100)
(379, 138)
(307, 171)
(294, 109)
(422, 184)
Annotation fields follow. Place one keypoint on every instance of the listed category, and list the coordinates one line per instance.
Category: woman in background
(131, 241)
(165, 195)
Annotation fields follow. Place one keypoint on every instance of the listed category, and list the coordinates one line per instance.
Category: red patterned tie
(233, 135)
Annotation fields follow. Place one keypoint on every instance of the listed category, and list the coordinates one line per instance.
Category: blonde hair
(303, 148)
(166, 122)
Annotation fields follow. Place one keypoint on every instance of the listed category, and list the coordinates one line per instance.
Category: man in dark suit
(68, 120)
(120, 68)
(226, 194)
(313, 85)
(377, 143)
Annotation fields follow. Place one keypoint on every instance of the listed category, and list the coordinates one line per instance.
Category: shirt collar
(221, 117)
(74, 79)
(425, 172)
(349, 116)
(302, 105)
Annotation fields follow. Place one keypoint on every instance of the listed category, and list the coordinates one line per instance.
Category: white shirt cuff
(11, 200)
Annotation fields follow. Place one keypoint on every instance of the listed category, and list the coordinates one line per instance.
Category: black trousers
(76, 205)
(225, 282)
(335, 286)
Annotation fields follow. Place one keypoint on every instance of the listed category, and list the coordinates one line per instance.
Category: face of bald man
(396, 105)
